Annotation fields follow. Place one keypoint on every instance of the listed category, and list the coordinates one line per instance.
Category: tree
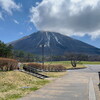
(77, 58)
(5, 50)
(9, 51)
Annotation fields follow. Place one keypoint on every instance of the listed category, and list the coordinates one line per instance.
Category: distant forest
(7, 51)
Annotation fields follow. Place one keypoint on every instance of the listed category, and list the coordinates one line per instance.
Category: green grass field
(67, 64)
(90, 62)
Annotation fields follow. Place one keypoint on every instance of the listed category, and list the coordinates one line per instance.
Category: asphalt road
(93, 68)
(78, 84)
(90, 68)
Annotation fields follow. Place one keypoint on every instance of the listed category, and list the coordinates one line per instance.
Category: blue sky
(19, 18)
(87, 39)
(17, 25)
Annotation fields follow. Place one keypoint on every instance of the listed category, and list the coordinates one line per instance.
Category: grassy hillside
(15, 84)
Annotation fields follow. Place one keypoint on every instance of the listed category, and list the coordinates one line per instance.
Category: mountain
(54, 43)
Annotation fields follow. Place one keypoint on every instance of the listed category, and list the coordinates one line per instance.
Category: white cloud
(37, 3)
(70, 17)
(15, 21)
(21, 33)
(1, 17)
(9, 6)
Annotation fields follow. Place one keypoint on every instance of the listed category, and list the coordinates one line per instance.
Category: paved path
(76, 85)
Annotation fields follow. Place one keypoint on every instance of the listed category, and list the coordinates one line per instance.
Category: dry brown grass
(11, 84)
(54, 74)
(49, 68)
(66, 64)
(78, 66)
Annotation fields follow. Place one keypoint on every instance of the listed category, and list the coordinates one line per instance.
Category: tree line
(70, 56)
(7, 51)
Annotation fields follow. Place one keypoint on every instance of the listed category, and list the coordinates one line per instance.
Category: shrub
(40, 67)
(8, 64)
(36, 65)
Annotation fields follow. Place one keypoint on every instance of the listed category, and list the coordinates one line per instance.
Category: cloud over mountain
(70, 17)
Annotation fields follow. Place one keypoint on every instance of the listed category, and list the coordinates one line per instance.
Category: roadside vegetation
(45, 67)
(8, 64)
(15, 84)
(54, 74)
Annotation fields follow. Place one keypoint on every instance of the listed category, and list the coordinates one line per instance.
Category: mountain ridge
(54, 42)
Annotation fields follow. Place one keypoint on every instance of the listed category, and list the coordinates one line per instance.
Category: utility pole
(42, 47)
(43, 54)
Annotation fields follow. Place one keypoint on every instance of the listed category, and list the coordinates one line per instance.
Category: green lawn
(67, 64)
(90, 62)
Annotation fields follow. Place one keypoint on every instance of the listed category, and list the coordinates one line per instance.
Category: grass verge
(14, 84)
(91, 62)
(54, 74)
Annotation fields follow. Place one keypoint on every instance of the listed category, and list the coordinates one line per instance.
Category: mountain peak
(54, 42)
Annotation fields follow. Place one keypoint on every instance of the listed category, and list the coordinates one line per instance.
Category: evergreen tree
(5, 50)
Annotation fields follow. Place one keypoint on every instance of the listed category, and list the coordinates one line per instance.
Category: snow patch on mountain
(39, 42)
(48, 39)
(56, 38)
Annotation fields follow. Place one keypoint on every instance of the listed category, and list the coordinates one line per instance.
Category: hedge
(48, 68)
(7, 64)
